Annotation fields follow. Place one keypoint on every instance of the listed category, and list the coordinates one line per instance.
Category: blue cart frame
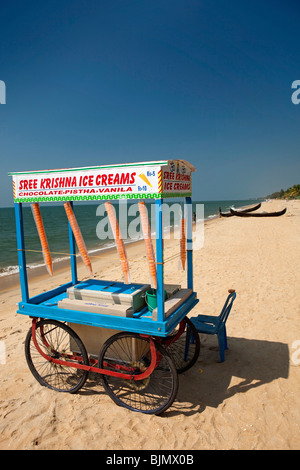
(45, 305)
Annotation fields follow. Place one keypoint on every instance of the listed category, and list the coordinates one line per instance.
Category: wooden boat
(242, 211)
(258, 214)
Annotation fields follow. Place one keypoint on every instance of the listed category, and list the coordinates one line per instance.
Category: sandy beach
(251, 401)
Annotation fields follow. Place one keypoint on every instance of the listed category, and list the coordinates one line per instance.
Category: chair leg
(222, 338)
(225, 337)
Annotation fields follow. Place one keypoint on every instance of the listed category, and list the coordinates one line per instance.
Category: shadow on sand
(207, 383)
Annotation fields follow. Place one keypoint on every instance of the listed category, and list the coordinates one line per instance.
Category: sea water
(88, 217)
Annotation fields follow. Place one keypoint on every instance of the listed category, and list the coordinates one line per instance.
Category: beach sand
(251, 401)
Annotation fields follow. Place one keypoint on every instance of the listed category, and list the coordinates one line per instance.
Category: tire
(152, 395)
(56, 339)
(182, 358)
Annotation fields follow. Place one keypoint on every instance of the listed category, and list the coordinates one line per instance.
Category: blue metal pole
(159, 260)
(21, 251)
(72, 245)
(189, 241)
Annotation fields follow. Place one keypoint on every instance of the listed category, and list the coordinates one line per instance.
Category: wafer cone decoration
(42, 234)
(118, 239)
(145, 179)
(182, 260)
(78, 237)
(147, 237)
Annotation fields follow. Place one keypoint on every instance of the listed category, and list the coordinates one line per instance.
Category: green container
(151, 299)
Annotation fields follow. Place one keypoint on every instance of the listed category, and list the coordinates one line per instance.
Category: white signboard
(138, 181)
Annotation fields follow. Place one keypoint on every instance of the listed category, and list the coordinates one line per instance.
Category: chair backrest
(227, 307)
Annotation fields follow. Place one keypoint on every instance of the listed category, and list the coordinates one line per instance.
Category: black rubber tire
(54, 376)
(177, 349)
(153, 395)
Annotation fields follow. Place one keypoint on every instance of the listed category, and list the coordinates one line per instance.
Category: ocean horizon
(56, 228)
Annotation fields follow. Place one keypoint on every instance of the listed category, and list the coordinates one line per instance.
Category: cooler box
(96, 307)
(110, 293)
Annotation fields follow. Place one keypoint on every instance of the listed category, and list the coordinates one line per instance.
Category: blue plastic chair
(213, 325)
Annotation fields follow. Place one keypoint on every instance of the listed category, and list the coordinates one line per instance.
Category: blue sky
(97, 82)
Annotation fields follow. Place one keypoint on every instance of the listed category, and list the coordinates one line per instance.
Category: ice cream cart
(142, 348)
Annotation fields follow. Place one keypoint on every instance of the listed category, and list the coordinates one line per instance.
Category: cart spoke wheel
(131, 352)
(185, 350)
(57, 341)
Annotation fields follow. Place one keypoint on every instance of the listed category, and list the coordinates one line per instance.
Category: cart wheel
(131, 352)
(58, 341)
(185, 350)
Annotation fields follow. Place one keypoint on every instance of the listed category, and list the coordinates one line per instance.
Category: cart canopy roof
(142, 180)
